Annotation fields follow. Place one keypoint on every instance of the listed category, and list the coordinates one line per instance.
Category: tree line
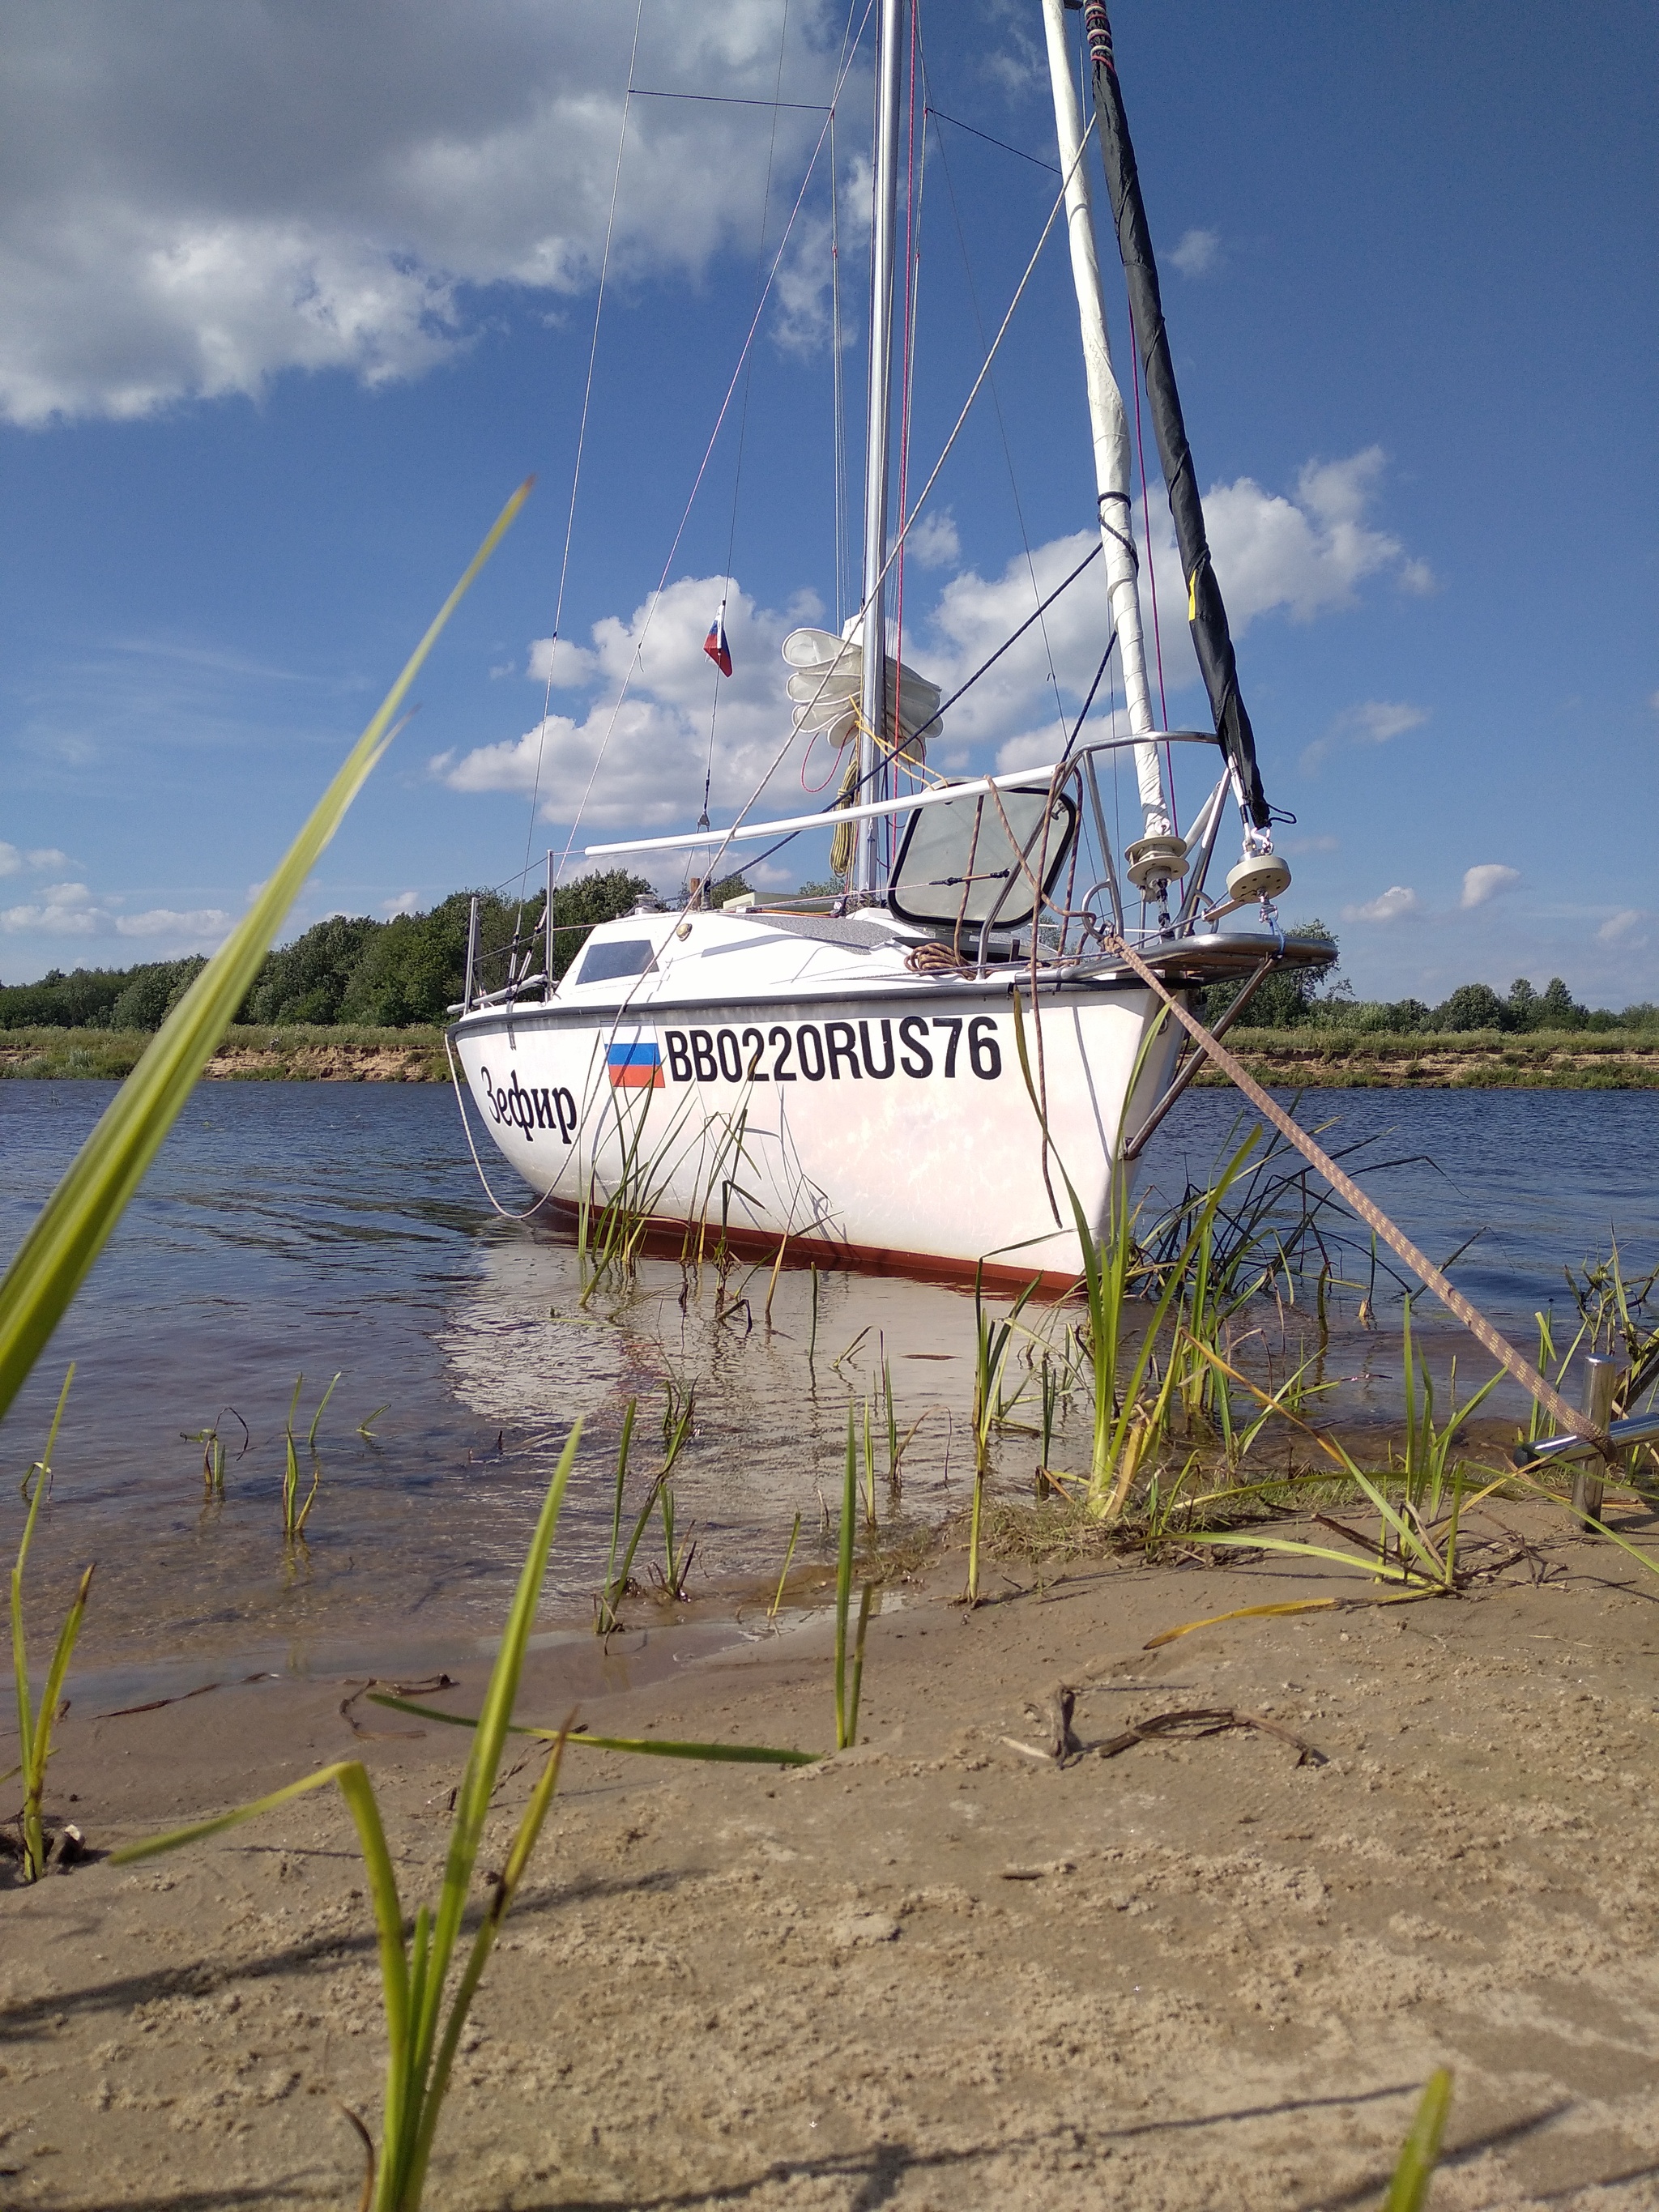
(411, 969)
(349, 969)
(1319, 996)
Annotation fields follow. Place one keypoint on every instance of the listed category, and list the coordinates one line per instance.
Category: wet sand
(934, 1971)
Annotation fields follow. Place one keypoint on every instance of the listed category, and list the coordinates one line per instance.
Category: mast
(1205, 612)
(873, 633)
(1107, 423)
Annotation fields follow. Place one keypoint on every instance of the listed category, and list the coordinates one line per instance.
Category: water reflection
(325, 1227)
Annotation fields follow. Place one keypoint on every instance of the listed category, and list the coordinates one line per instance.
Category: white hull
(766, 1083)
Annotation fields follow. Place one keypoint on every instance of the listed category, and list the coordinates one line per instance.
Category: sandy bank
(931, 1973)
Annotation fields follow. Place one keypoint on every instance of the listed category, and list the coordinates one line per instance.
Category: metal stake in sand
(1601, 1378)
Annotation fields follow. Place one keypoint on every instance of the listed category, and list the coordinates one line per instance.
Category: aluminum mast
(873, 633)
(1107, 423)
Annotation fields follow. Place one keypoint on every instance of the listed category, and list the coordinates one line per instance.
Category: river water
(312, 1229)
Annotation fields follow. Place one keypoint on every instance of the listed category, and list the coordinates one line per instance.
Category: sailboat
(951, 1065)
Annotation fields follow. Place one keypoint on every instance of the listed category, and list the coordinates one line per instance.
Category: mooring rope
(1537, 1386)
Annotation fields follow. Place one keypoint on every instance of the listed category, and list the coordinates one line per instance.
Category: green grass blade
(1419, 2154)
(40, 1742)
(844, 1581)
(472, 1802)
(740, 1754)
(199, 1831)
(524, 1843)
(19, 1644)
(71, 1228)
(1365, 1565)
(316, 1418)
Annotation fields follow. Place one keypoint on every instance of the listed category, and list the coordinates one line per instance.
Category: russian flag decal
(633, 1067)
(715, 647)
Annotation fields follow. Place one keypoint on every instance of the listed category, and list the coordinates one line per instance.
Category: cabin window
(617, 956)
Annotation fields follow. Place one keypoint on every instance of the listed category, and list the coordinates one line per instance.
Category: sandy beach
(934, 1971)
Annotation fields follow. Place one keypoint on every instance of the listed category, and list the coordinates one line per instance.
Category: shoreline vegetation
(1313, 1057)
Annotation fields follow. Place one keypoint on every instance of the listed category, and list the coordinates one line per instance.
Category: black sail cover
(1211, 637)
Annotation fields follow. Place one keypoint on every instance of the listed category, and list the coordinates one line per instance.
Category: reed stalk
(606, 1621)
(991, 1342)
(34, 1725)
(849, 1505)
(795, 1537)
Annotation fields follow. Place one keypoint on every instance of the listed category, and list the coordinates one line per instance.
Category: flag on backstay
(715, 647)
(634, 1067)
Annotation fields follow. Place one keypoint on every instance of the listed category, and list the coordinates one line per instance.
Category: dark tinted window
(615, 956)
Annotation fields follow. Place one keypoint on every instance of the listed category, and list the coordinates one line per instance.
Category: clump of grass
(678, 1415)
(295, 1515)
(34, 1724)
(213, 1450)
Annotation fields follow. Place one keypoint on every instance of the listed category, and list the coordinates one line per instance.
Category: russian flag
(715, 647)
(634, 1067)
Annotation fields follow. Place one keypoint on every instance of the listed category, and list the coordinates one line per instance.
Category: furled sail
(826, 683)
(1205, 609)
(826, 686)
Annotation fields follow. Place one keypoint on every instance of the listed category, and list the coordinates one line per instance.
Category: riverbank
(1332, 1059)
(1313, 1058)
(248, 1055)
(936, 1970)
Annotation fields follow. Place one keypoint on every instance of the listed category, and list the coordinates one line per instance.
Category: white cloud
(562, 661)
(1373, 722)
(933, 542)
(1653, 701)
(41, 856)
(1271, 552)
(1485, 882)
(1618, 929)
(1305, 555)
(1296, 844)
(72, 910)
(198, 199)
(63, 910)
(656, 746)
(1198, 253)
(203, 929)
(405, 902)
(1377, 720)
(1397, 899)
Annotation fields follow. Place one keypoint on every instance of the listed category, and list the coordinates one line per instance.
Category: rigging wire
(581, 443)
(914, 180)
(837, 401)
(1002, 429)
(1035, 160)
(923, 496)
(702, 466)
(743, 422)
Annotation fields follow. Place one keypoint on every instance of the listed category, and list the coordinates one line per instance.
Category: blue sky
(295, 296)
